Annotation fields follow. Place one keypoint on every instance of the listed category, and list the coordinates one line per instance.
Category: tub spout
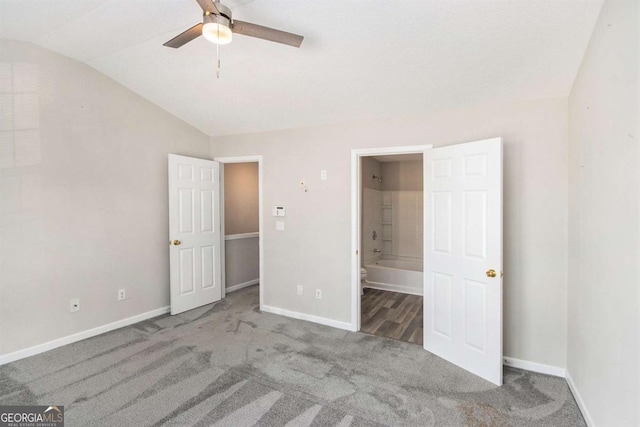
(376, 251)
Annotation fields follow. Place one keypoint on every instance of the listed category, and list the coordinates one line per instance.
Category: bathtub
(398, 274)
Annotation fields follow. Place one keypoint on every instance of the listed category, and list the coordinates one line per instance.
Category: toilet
(363, 278)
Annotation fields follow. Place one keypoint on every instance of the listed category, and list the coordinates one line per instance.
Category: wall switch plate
(299, 290)
(318, 294)
(121, 294)
(74, 305)
(280, 225)
(279, 211)
(323, 174)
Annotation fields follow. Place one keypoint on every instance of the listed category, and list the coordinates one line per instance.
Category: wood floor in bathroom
(392, 315)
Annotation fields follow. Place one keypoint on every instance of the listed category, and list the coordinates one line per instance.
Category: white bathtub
(398, 274)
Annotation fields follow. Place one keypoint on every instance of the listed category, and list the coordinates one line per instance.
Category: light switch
(280, 225)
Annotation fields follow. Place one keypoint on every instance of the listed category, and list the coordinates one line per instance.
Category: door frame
(356, 199)
(244, 159)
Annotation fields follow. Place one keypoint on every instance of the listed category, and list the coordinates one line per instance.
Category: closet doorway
(242, 223)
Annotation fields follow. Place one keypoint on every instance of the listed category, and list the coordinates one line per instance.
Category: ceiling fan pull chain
(218, 60)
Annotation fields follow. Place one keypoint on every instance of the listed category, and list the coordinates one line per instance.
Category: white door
(195, 237)
(463, 256)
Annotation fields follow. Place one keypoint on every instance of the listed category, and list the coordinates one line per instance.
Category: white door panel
(194, 232)
(463, 240)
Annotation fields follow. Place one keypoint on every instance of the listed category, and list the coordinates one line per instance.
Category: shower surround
(392, 230)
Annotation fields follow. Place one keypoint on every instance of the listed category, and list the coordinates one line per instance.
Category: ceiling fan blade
(185, 37)
(208, 6)
(253, 30)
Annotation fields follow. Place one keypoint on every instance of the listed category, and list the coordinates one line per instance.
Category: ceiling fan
(218, 25)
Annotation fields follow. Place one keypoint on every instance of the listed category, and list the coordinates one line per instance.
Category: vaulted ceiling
(359, 59)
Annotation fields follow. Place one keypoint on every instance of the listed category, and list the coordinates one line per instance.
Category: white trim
(535, 367)
(253, 159)
(393, 288)
(355, 241)
(70, 339)
(223, 249)
(385, 151)
(308, 317)
(238, 159)
(355, 217)
(579, 401)
(242, 285)
(241, 236)
(556, 372)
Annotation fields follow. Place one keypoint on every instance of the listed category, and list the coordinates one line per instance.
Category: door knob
(491, 273)
(176, 242)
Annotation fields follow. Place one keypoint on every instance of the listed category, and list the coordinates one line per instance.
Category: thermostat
(279, 211)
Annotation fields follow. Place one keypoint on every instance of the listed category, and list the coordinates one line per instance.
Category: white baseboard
(535, 367)
(242, 285)
(579, 401)
(556, 372)
(308, 317)
(393, 288)
(69, 339)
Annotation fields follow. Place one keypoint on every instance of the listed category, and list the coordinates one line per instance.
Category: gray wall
(242, 258)
(242, 262)
(404, 175)
(240, 198)
(604, 240)
(83, 197)
(315, 248)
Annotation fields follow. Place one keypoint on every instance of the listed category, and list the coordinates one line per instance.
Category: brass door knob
(491, 273)
(176, 242)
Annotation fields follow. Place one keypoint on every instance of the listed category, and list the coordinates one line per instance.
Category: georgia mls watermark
(32, 416)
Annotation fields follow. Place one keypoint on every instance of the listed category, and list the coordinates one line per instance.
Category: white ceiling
(359, 60)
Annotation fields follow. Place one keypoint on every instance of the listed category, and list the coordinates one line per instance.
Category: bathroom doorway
(242, 223)
(391, 245)
(462, 251)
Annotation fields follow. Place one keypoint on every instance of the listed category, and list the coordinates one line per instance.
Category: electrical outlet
(318, 294)
(74, 305)
(299, 289)
(323, 174)
(121, 294)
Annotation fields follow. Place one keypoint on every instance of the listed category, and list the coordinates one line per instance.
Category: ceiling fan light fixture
(218, 26)
(217, 29)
